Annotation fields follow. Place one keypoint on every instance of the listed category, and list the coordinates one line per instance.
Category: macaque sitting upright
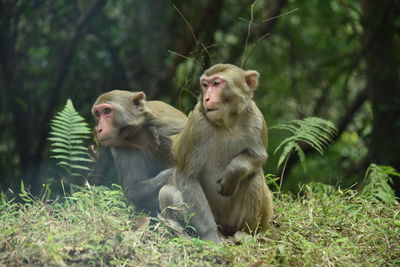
(139, 135)
(219, 157)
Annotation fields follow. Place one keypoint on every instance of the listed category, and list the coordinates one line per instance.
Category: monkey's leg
(192, 211)
(201, 217)
(171, 202)
(144, 193)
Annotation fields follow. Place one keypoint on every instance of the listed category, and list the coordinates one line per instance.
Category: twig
(262, 15)
(205, 49)
(250, 23)
(248, 32)
(247, 21)
(187, 23)
(184, 89)
(236, 52)
(197, 42)
(252, 48)
(280, 15)
(176, 53)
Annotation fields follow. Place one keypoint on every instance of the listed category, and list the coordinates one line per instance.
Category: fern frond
(301, 155)
(377, 179)
(68, 130)
(285, 153)
(62, 145)
(316, 132)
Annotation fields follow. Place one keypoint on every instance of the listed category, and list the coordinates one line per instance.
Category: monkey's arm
(241, 167)
(140, 187)
(145, 192)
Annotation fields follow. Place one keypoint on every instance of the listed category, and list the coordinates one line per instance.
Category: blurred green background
(338, 60)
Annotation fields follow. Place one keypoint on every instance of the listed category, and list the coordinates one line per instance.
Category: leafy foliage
(377, 179)
(24, 195)
(314, 131)
(322, 190)
(68, 132)
(272, 181)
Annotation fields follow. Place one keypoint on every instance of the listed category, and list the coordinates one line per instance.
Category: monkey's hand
(228, 184)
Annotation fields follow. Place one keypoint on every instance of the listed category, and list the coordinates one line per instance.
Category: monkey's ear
(138, 97)
(251, 77)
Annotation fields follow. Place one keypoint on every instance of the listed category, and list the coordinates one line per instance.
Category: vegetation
(313, 131)
(68, 132)
(95, 226)
(319, 63)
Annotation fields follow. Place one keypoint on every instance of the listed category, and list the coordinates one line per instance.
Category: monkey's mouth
(211, 110)
(105, 139)
(106, 142)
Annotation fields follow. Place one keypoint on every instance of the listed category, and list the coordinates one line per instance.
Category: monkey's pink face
(213, 87)
(103, 113)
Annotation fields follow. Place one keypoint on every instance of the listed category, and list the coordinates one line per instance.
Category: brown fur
(140, 142)
(219, 166)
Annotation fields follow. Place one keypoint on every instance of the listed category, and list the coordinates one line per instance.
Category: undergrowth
(96, 226)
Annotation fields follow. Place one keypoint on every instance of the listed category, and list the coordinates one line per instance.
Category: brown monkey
(219, 157)
(138, 133)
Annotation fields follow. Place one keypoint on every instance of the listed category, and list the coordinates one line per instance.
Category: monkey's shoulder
(252, 119)
(160, 107)
(166, 113)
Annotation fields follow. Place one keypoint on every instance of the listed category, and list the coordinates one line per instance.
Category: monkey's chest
(226, 209)
(218, 153)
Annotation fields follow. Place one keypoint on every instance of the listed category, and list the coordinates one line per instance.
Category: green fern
(316, 132)
(68, 131)
(377, 179)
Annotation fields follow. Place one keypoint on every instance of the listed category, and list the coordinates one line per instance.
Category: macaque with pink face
(218, 159)
(139, 135)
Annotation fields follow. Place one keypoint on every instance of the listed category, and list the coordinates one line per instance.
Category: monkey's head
(226, 91)
(119, 116)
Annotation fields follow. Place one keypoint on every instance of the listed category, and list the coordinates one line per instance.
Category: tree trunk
(383, 87)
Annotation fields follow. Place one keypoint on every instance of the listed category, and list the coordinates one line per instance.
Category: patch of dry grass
(96, 227)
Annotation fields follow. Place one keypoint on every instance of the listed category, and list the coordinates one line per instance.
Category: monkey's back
(168, 115)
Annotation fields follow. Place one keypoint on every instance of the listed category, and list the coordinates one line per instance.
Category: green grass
(96, 227)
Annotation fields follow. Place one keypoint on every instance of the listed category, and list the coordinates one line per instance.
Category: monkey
(218, 173)
(139, 134)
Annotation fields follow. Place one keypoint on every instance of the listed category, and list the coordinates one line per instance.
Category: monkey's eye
(204, 85)
(217, 82)
(107, 111)
(97, 114)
